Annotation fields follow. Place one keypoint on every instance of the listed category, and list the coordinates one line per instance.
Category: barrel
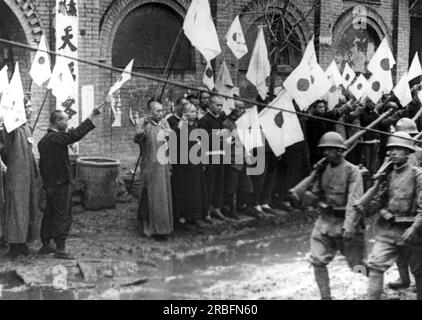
(100, 177)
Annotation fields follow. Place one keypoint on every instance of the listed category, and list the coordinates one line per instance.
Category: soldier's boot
(404, 281)
(375, 286)
(323, 281)
(418, 281)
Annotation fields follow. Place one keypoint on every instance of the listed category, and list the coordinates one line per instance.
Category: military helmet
(332, 140)
(407, 125)
(402, 140)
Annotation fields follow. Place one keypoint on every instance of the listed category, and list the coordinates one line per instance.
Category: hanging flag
(259, 66)
(249, 131)
(402, 91)
(41, 70)
(208, 77)
(359, 87)
(333, 74)
(125, 76)
(224, 85)
(199, 28)
(348, 75)
(381, 64)
(236, 39)
(282, 129)
(375, 90)
(13, 108)
(67, 43)
(61, 81)
(4, 80)
(415, 69)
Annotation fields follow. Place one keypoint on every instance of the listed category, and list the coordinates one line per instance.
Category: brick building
(115, 31)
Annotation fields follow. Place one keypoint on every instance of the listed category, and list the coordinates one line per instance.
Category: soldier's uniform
(335, 191)
(399, 207)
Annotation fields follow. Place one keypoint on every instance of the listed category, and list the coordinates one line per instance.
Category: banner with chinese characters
(67, 27)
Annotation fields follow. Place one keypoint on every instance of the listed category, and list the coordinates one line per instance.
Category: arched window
(290, 52)
(148, 34)
(356, 47)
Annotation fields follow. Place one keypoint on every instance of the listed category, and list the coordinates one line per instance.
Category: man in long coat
(21, 201)
(155, 205)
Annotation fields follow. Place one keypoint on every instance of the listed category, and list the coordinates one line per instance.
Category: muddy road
(247, 259)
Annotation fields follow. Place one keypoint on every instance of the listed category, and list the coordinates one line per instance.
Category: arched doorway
(356, 47)
(11, 29)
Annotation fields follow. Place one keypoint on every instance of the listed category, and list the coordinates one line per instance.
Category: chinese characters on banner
(67, 27)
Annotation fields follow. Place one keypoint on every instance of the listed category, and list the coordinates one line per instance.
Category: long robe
(155, 205)
(21, 197)
(2, 212)
(189, 188)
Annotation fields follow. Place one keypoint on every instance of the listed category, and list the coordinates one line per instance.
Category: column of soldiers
(335, 190)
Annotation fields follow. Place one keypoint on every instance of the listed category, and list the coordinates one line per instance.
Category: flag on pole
(41, 69)
(415, 69)
(298, 84)
(334, 77)
(375, 90)
(4, 79)
(348, 75)
(319, 81)
(236, 39)
(282, 129)
(381, 64)
(126, 75)
(359, 87)
(208, 77)
(333, 74)
(402, 91)
(259, 66)
(61, 81)
(13, 109)
(199, 28)
(224, 85)
(247, 127)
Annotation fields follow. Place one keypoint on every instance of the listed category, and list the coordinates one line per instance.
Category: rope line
(200, 90)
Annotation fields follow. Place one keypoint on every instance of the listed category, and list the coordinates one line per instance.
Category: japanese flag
(334, 77)
(381, 64)
(319, 81)
(236, 39)
(4, 80)
(375, 90)
(259, 66)
(415, 69)
(126, 75)
(208, 77)
(41, 70)
(281, 128)
(224, 85)
(249, 130)
(199, 28)
(61, 81)
(298, 84)
(333, 74)
(359, 87)
(348, 75)
(402, 91)
(13, 109)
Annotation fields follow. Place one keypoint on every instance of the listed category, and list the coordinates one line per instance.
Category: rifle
(299, 190)
(417, 115)
(361, 204)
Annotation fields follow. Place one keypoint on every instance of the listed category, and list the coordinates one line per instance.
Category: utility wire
(188, 87)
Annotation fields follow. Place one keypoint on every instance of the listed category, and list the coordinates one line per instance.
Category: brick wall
(99, 19)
